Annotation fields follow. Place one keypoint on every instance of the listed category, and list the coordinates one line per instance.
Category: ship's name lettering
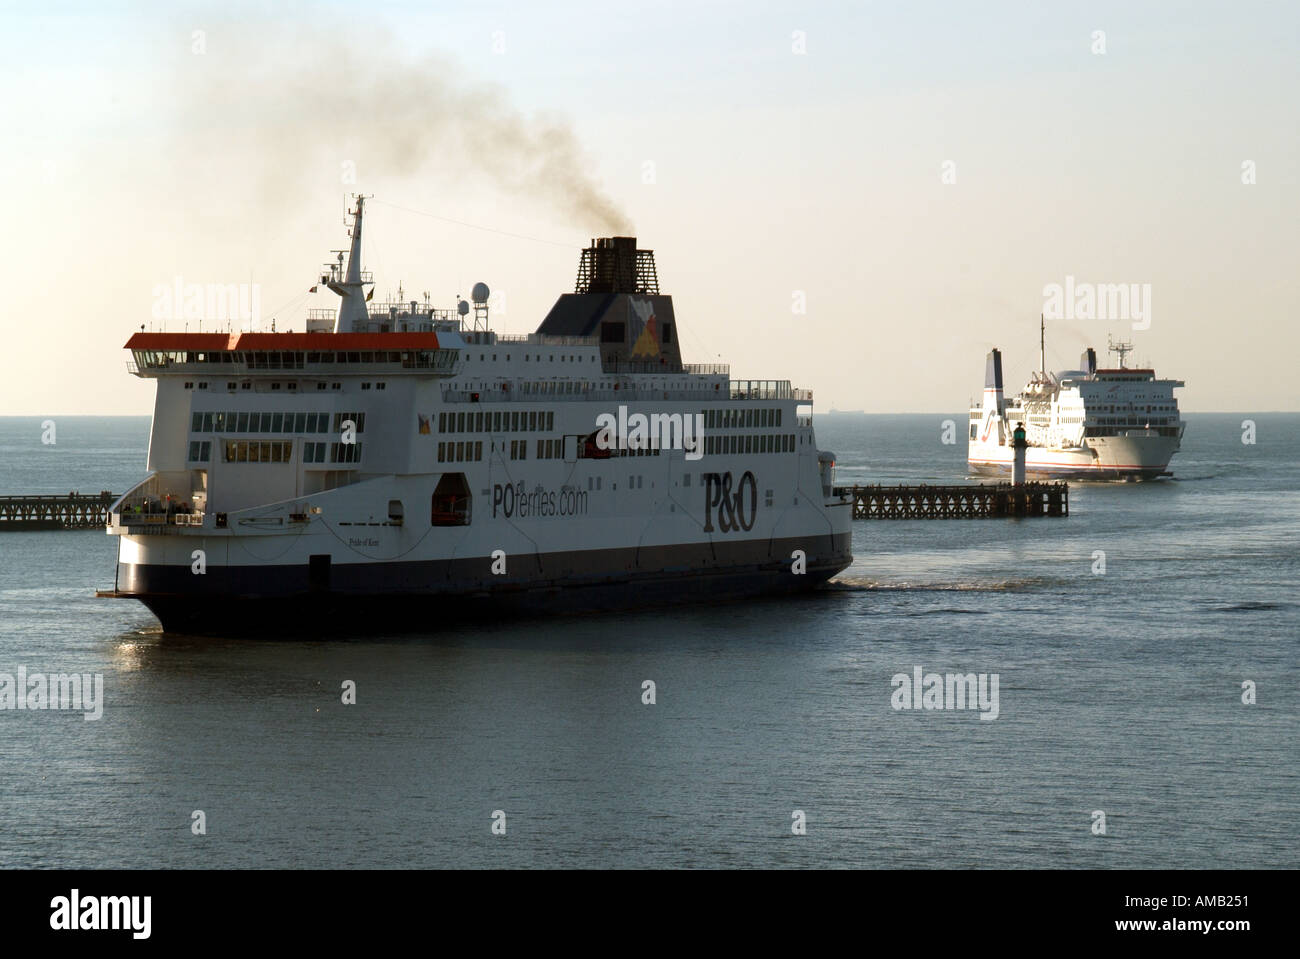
(511, 500)
(735, 508)
(355, 541)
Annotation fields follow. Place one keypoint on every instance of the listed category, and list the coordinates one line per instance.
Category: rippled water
(1119, 692)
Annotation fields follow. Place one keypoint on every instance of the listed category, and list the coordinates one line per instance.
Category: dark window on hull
(318, 573)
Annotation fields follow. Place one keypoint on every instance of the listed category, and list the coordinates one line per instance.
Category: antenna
(1121, 348)
(1042, 344)
(480, 295)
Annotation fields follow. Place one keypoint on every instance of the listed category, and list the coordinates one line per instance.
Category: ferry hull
(1108, 458)
(368, 599)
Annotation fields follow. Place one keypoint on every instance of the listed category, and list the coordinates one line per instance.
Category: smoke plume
(284, 113)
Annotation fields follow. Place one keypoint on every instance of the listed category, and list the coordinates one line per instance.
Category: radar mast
(1121, 349)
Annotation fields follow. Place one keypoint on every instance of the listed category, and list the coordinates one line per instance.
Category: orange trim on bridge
(325, 342)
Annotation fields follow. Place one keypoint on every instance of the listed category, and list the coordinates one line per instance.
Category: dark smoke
(264, 107)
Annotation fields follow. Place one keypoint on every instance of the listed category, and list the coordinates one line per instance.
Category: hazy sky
(212, 142)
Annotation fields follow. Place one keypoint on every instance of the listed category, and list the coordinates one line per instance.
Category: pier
(70, 511)
(986, 501)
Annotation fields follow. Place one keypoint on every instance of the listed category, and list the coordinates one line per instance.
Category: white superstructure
(1089, 423)
(396, 462)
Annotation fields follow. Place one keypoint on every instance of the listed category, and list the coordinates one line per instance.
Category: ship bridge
(155, 354)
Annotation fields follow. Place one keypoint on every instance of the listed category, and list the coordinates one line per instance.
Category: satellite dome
(480, 292)
(462, 307)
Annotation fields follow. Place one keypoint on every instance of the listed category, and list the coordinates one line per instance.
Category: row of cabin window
(464, 451)
(586, 452)
(263, 359)
(741, 418)
(510, 421)
(275, 451)
(1115, 430)
(273, 422)
(266, 451)
(248, 385)
(472, 451)
(338, 452)
(469, 451)
(1133, 420)
(761, 443)
(529, 357)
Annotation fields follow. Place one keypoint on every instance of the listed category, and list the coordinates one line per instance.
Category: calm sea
(1119, 692)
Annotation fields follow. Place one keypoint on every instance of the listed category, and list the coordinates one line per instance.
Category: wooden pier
(988, 501)
(72, 511)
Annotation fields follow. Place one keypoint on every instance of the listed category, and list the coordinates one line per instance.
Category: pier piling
(987, 501)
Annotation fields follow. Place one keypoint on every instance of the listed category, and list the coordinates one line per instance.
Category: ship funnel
(993, 382)
(993, 371)
(1088, 361)
(613, 264)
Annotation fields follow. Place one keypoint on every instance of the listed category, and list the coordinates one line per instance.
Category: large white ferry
(396, 464)
(1090, 423)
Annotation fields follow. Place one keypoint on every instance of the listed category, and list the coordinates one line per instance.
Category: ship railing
(547, 339)
(707, 369)
(761, 390)
(161, 499)
(625, 395)
(387, 313)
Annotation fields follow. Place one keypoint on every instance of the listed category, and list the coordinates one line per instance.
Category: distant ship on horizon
(1110, 424)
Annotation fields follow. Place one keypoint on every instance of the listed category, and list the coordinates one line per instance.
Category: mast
(1122, 349)
(1042, 345)
(349, 284)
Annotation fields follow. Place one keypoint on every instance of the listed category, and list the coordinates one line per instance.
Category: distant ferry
(1108, 424)
(396, 464)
